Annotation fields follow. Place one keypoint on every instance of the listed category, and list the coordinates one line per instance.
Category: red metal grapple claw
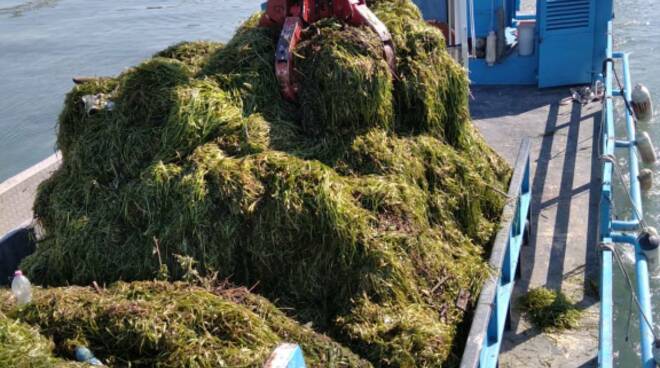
(284, 56)
(293, 15)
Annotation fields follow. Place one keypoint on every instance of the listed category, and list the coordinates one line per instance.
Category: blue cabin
(557, 43)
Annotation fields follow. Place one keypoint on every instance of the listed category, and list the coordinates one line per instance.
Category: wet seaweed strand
(367, 208)
(147, 324)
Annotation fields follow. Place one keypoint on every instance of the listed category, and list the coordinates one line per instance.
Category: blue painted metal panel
(286, 355)
(485, 14)
(513, 70)
(571, 42)
(604, 13)
(566, 41)
(433, 9)
(297, 360)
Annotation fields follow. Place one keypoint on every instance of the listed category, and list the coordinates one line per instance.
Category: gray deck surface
(562, 254)
(17, 194)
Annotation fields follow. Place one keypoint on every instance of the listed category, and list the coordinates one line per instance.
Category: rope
(629, 318)
(611, 158)
(615, 164)
(630, 286)
(625, 100)
(623, 94)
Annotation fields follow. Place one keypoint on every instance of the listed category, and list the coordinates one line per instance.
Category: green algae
(366, 209)
(193, 54)
(347, 85)
(146, 324)
(22, 346)
(550, 310)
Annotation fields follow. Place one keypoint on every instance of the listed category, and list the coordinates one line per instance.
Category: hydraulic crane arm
(293, 15)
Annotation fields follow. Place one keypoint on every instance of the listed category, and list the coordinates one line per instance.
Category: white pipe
(472, 30)
(450, 20)
(457, 22)
(464, 34)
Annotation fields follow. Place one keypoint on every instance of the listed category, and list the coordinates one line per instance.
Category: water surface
(637, 30)
(43, 43)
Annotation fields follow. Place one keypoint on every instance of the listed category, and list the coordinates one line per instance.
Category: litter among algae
(148, 324)
(365, 209)
(21, 345)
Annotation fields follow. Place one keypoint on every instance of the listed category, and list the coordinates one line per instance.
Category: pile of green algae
(364, 210)
(156, 324)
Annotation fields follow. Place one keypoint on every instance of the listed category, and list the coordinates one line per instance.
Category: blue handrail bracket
(613, 231)
(488, 325)
(286, 355)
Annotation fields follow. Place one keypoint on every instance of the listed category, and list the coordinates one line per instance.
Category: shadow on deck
(566, 189)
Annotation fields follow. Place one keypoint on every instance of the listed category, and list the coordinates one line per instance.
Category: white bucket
(526, 37)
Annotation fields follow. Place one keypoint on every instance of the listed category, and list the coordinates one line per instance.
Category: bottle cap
(18, 273)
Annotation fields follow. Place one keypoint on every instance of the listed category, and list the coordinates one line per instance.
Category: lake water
(637, 30)
(43, 43)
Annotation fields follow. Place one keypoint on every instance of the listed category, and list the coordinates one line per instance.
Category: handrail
(483, 344)
(611, 231)
(605, 349)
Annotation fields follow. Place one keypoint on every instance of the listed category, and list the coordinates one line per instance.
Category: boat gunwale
(479, 336)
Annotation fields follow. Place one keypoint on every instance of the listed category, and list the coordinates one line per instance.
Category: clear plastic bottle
(21, 288)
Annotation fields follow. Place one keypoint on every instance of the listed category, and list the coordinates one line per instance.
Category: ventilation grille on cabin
(567, 14)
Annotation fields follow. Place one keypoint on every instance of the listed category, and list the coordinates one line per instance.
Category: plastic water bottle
(21, 288)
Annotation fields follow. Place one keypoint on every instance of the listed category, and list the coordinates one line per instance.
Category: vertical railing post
(487, 330)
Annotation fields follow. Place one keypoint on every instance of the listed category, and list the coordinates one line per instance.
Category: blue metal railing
(286, 355)
(618, 231)
(605, 351)
(483, 343)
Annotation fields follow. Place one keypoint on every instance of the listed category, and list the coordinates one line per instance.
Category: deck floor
(563, 251)
(17, 193)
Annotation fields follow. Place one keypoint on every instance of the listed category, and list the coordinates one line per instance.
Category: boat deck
(566, 189)
(17, 193)
(566, 182)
